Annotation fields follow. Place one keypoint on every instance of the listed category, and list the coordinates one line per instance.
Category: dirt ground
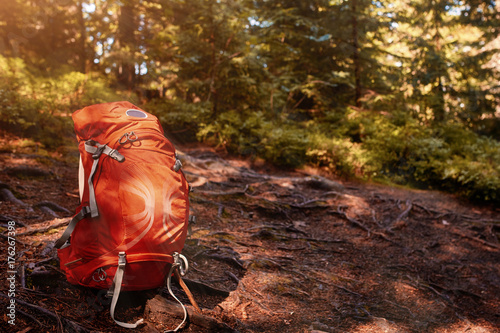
(273, 251)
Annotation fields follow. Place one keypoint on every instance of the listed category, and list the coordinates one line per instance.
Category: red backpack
(132, 221)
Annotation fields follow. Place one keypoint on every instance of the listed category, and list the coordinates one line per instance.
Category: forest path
(276, 251)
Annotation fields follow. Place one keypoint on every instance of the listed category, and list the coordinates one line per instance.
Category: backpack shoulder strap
(71, 226)
(97, 149)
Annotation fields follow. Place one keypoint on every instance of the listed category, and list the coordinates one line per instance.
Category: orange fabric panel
(143, 203)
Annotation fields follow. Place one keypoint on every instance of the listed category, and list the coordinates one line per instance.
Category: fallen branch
(323, 282)
(231, 192)
(225, 258)
(161, 310)
(322, 201)
(427, 210)
(302, 205)
(266, 234)
(400, 306)
(187, 291)
(233, 277)
(62, 223)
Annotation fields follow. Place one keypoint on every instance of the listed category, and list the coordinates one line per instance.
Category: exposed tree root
(6, 195)
(204, 288)
(53, 206)
(26, 171)
(6, 218)
(405, 213)
(15, 238)
(48, 211)
(476, 239)
(68, 325)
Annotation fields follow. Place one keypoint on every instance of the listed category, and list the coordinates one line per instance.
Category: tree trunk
(439, 105)
(127, 26)
(355, 56)
(83, 37)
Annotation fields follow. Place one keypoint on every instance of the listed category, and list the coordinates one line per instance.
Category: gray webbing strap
(96, 149)
(71, 226)
(182, 270)
(94, 212)
(180, 262)
(116, 287)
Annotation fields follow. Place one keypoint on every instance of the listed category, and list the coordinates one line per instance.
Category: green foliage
(179, 116)
(243, 133)
(448, 157)
(338, 155)
(275, 80)
(37, 105)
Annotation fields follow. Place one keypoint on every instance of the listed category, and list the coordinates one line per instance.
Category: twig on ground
(364, 227)
(400, 306)
(476, 239)
(22, 276)
(353, 221)
(405, 213)
(27, 315)
(15, 238)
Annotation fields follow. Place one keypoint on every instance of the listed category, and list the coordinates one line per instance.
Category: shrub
(36, 105)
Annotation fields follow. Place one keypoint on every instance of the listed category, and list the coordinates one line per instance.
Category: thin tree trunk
(438, 107)
(126, 38)
(355, 56)
(83, 37)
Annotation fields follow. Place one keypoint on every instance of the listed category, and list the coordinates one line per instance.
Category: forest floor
(271, 251)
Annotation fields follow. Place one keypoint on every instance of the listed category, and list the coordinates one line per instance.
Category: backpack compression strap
(115, 291)
(96, 149)
(180, 262)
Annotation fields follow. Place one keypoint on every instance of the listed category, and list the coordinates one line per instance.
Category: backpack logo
(138, 191)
